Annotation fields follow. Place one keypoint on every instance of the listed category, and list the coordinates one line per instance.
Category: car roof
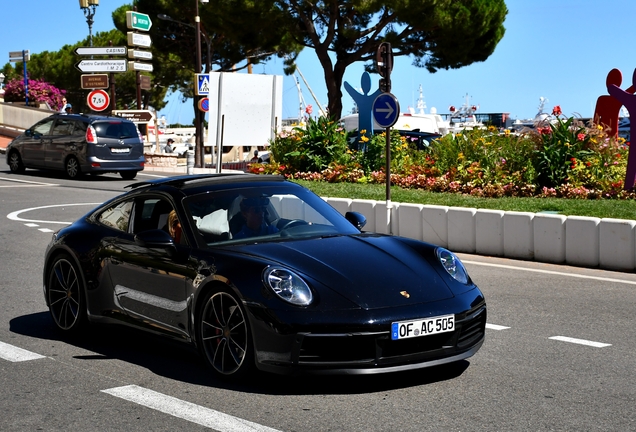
(91, 117)
(202, 180)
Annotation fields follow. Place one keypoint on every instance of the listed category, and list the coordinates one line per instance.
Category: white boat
(540, 118)
(418, 124)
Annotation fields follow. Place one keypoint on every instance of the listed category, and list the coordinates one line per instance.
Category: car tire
(224, 335)
(72, 168)
(65, 295)
(128, 175)
(15, 163)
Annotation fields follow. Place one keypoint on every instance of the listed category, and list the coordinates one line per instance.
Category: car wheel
(224, 335)
(65, 295)
(128, 175)
(15, 163)
(72, 168)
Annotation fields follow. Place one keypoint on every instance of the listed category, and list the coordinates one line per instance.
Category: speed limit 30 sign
(98, 100)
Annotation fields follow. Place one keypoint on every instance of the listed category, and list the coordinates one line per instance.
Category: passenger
(174, 227)
(253, 211)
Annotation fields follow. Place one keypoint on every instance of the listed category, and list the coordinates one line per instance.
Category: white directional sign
(138, 39)
(140, 55)
(139, 66)
(102, 65)
(19, 56)
(87, 51)
(203, 84)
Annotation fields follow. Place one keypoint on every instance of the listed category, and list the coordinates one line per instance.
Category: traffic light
(384, 65)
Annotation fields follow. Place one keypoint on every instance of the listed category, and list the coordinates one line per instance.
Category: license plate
(120, 150)
(422, 327)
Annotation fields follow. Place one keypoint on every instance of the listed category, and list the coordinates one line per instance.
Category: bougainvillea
(39, 92)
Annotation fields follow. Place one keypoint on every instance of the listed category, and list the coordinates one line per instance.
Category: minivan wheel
(72, 168)
(15, 163)
(128, 175)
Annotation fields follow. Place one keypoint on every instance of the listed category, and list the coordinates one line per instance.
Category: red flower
(309, 109)
(580, 137)
(556, 111)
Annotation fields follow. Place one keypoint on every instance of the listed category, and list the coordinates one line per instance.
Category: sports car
(259, 273)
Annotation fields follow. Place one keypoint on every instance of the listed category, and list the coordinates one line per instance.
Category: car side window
(43, 128)
(63, 127)
(117, 216)
(79, 129)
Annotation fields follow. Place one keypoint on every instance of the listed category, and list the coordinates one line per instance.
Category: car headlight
(452, 265)
(288, 286)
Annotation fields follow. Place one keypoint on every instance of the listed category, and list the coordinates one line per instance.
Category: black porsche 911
(259, 272)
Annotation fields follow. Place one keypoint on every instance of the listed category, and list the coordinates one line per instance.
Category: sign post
(24, 56)
(386, 111)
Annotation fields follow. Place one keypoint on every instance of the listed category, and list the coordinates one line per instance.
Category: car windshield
(258, 214)
(115, 129)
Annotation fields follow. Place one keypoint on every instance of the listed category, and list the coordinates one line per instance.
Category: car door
(149, 283)
(34, 143)
(63, 142)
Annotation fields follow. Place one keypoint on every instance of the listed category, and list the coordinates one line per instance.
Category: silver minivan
(78, 144)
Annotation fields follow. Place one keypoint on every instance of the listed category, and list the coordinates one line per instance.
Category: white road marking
(185, 410)
(580, 341)
(551, 272)
(496, 327)
(15, 354)
(26, 183)
(46, 230)
(32, 225)
(16, 214)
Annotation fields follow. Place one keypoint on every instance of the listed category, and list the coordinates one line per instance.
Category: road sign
(18, 56)
(386, 110)
(138, 21)
(139, 55)
(136, 66)
(137, 116)
(144, 82)
(138, 39)
(204, 104)
(384, 59)
(102, 65)
(98, 100)
(203, 84)
(88, 51)
(95, 81)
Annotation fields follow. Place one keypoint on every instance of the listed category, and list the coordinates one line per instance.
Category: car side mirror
(28, 132)
(155, 238)
(357, 219)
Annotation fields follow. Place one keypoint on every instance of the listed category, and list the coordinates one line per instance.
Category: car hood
(373, 271)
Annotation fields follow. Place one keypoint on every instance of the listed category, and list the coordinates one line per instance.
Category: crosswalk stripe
(15, 354)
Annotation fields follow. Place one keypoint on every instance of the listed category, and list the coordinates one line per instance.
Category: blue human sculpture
(364, 101)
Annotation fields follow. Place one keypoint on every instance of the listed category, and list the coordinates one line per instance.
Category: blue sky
(560, 49)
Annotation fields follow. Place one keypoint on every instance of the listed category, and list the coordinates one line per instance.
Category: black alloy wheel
(65, 295)
(15, 163)
(72, 168)
(224, 335)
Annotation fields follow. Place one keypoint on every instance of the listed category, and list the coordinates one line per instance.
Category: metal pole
(389, 205)
(199, 155)
(26, 78)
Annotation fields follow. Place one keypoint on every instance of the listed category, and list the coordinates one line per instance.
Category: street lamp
(88, 6)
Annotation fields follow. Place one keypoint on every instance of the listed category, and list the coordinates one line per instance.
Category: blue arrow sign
(386, 110)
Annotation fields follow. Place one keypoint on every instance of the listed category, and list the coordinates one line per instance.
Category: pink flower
(580, 137)
(309, 109)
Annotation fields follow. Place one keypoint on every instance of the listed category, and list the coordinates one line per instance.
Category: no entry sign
(98, 100)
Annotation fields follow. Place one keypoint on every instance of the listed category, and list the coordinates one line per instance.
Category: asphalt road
(560, 353)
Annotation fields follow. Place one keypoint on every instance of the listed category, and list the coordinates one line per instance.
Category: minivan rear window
(115, 129)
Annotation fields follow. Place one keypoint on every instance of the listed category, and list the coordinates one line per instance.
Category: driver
(253, 211)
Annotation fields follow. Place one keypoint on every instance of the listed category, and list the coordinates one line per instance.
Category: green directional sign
(138, 21)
